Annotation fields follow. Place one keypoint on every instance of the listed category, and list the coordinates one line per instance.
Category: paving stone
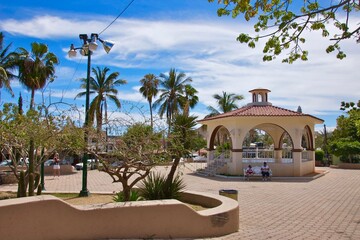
(324, 208)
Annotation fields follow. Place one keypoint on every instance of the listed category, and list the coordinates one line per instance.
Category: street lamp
(88, 47)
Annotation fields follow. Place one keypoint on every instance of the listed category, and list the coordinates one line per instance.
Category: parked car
(117, 164)
(79, 166)
(200, 159)
(51, 162)
(22, 162)
(5, 163)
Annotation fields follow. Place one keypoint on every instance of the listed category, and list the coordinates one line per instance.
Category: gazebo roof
(260, 111)
(260, 108)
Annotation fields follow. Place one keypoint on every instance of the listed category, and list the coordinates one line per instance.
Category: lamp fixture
(90, 45)
(107, 45)
(72, 51)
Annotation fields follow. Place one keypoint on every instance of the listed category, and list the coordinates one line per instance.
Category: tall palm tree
(36, 67)
(173, 85)
(7, 66)
(105, 88)
(226, 103)
(149, 90)
(189, 99)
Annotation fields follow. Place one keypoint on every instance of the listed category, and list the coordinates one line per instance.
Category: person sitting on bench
(249, 172)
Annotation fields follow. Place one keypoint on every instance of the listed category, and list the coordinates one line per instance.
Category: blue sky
(154, 36)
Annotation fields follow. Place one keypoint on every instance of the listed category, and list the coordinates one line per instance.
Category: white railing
(258, 153)
(253, 160)
(305, 156)
(287, 153)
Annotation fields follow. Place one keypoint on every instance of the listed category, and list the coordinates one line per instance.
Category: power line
(117, 17)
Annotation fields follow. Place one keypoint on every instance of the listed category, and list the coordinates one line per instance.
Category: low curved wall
(48, 217)
(349, 165)
(48, 170)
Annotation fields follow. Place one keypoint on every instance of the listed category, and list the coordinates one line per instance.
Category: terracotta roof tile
(259, 110)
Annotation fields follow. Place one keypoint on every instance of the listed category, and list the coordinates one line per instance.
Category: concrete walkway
(327, 207)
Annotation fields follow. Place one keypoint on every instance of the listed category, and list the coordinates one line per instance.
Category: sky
(154, 36)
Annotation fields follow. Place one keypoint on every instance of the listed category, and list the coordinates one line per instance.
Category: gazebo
(292, 150)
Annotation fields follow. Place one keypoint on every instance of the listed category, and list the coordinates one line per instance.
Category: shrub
(319, 155)
(152, 188)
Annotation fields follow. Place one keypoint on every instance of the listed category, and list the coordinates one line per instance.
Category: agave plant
(134, 196)
(152, 188)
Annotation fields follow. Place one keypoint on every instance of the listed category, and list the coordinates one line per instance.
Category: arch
(213, 136)
(307, 139)
(252, 132)
(286, 134)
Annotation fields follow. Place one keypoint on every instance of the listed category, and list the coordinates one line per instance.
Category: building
(292, 152)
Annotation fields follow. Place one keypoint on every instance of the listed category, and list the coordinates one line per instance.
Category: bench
(256, 173)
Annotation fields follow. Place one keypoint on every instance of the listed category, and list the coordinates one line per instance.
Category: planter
(349, 165)
(166, 219)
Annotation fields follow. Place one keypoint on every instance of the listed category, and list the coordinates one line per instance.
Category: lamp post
(88, 47)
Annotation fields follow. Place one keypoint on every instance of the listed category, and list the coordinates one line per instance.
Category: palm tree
(172, 89)
(105, 88)
(226, 103)
(7, 66)
(149, 90)
(36, 67)
(190, 99)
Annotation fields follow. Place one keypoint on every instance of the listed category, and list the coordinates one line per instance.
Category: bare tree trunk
(170, 176)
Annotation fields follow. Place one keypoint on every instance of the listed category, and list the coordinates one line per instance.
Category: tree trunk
(170, 177)
(126, 192)
(151, 115)
(31, 167)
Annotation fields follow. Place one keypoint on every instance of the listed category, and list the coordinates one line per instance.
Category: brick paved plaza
(327, 207)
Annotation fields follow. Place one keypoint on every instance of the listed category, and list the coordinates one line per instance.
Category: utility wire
(117, 17)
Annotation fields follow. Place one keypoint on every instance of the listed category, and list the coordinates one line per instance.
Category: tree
(169, 102)
(135, 154)
(345, 139)
(105, 88)
(35, 69)
(226, 103)
(7, 66)
(285, 21)
(189, 99)
(48, 133)
(149, 90)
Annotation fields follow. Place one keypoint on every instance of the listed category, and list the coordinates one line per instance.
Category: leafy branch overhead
(283, 23)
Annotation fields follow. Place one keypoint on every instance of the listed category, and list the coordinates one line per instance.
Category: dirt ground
(71, 198)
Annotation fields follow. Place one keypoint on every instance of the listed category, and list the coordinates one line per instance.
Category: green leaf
(330, 49)
(243, 38)
(251, 44)
(341, 55)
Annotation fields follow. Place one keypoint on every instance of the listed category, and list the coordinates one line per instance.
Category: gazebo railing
(305, 156)
(257, 153)
(287, 153)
